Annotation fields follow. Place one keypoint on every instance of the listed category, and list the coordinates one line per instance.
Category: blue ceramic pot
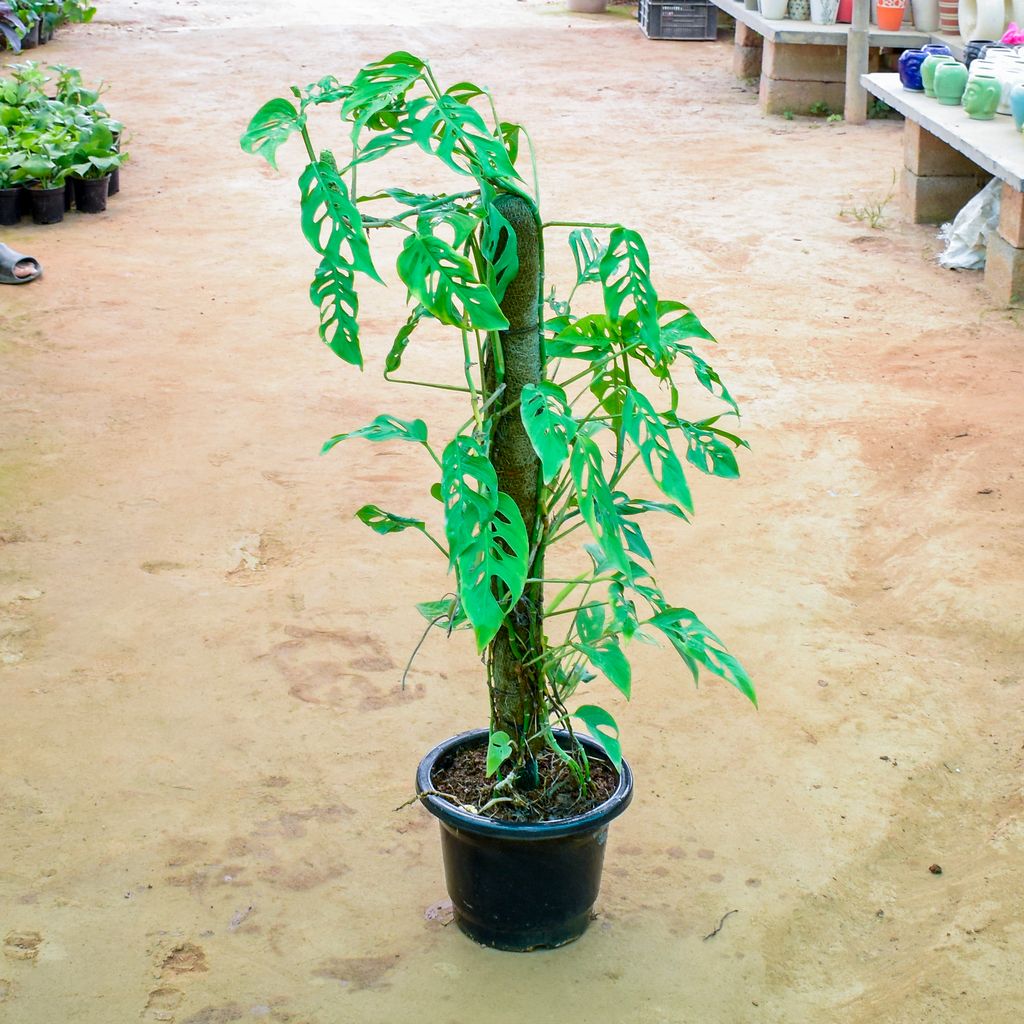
(910, 69)
(974, 49)
(1017, 105)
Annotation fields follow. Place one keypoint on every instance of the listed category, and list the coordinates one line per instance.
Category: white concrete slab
(996, 145)
(787, 31)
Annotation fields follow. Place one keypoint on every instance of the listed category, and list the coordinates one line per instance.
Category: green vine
(532, 464)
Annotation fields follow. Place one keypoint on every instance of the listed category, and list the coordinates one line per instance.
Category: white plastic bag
(967, 237)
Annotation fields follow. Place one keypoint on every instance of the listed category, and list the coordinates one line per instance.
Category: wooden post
(855, 109)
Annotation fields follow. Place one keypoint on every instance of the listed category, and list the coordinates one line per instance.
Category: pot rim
(450, 816)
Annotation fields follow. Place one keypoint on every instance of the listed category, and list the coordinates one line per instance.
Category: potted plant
(12, 28)
(93, 161)
(557, 416)
(10, 205)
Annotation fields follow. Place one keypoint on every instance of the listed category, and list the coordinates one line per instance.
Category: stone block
(779, 95)
(1004, 271)
(937, 199)
(805, 62)
(746, 36)
(927, 155)
(746, 61)
(1011, 216)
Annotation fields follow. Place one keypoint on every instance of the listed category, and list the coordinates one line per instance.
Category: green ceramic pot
(950, 83)
(981, 97)
(931, 62)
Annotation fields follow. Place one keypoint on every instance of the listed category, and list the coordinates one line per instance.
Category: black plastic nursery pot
(516, 886)
(91, 194)
(10, 206)
(69, 194)
(115, 182)
(47, 204)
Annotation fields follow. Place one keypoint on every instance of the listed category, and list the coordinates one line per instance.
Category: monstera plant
(568, 414)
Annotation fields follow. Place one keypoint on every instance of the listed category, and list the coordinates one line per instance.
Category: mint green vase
(981, 97)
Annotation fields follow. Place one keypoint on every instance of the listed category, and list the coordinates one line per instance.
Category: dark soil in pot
(91, 194)
(10, 206)
(520, 886)
(47, 204)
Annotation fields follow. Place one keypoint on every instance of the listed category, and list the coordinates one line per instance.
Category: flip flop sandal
(9, 259)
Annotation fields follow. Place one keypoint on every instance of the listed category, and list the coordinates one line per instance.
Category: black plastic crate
(678, 19)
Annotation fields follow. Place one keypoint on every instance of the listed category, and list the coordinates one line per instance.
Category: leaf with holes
(594, 498)
(271, 126)
(458, 135)
(603, 729)
(708, 377)
(444, 282)
(626, 276)
(384, 428)
(587, 253)
(709, 452)
(500, 249)
(330, 219)
(381, 85)
(549, 425)
(387, 522)
(334, 294)
(468, 490)
(645, 428)
(698, 646)
(590, 338)
(492, 568)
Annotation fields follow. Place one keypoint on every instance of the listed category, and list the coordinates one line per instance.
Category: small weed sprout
(872, 212)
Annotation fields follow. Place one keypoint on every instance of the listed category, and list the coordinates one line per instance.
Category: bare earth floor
(203, 730)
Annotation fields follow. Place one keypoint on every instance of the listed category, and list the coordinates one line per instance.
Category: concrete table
(802, 65)
(948, 157)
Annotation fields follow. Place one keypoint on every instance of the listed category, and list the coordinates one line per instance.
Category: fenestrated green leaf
(589, 621)
(603, 729)
(393, 359)
(387, 522)
(697, 646)
(493, 568)
(330, 219)
(334, 294)
(549, 425)
(590, 338)
(270, 126)
(610, 385)
(707, 376)
(500, 249)
(384, 428)
(587, 252)
(499, 750)
(327, 90)
(594, 498)
(464, 91)
(510, 134)
(647, 431)
(626, 275)
(457, 134)
(708, 452)
(469, 490)
(381, 85)
(444, 282)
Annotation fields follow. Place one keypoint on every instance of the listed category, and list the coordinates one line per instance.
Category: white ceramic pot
(982, 19)
(926, 15)
(773, 10)
(825, 12)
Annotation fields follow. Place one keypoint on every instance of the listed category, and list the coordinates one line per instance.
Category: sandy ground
(204, 736)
